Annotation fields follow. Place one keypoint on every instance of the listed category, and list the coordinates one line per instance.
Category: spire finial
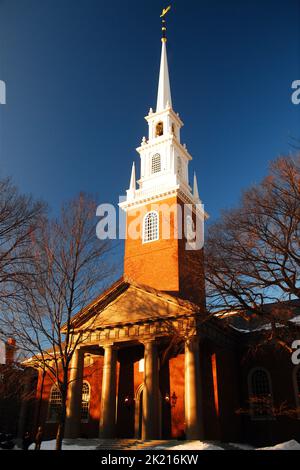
(196, 191)
(164, 90)
(132, 186)
(164, 24)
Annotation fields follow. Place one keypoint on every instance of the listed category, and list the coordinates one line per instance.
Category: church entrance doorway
(138, 412)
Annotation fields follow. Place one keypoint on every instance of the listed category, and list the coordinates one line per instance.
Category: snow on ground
(92, 444)
(289, 445)
(239, 446)
(70, 444)
(190, 445)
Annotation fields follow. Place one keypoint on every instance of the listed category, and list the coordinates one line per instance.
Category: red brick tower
(165, 216)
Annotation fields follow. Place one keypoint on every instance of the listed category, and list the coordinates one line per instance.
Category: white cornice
(138, 202)
(170, 111)
(177, 191)
(165, 139)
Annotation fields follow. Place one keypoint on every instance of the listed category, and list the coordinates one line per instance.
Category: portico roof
(127, 303)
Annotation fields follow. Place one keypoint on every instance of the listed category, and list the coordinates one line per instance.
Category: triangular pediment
(126, 303)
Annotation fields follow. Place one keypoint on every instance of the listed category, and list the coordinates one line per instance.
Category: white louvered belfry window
(85, 402)
(179, 166)
(156, 163)
(55, 405)
(151, 227)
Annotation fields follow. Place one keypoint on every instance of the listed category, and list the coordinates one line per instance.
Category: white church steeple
(162, 209)
(164, 98)
(164, 160)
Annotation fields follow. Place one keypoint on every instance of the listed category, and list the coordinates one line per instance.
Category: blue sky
(81, 75)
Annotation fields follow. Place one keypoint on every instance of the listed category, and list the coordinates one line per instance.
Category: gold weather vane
(164, 27)
(165, 11)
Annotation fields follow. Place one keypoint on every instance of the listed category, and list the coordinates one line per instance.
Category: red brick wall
(156, 263)
(93, 374)
(165, 265)
(279, 365)
(177, 386)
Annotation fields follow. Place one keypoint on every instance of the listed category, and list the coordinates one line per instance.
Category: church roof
(126, 303)
(285, 313)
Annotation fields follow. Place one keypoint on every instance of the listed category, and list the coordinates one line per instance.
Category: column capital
(192, 340)
(77, 355)
(78, 349)
(148, 341)
(108, 346)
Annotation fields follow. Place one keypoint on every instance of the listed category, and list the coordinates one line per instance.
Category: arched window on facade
(156, 163)
(151, 227)
(159, 130)
(55, 404)
(85, 402)
(296, 379)
(260, 394)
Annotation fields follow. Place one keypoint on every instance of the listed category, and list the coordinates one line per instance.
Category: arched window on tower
(156, 163)
(159, 129)
(55, 405)
(85, 402)
(260, 394)
(151, 227)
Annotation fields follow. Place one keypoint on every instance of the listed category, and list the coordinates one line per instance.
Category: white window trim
(158, 157)
(49, 419)
(88, 418)
(179, 164)
(157, 233)
(251, 394)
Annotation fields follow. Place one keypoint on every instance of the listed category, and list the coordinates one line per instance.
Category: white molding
(158, 227)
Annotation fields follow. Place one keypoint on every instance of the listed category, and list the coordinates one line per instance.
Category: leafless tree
(294, 143)
(70, 266)
(263, 406)
(19, 218)
(252, 255)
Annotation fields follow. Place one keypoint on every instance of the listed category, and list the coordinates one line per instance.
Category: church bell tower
(164, 209)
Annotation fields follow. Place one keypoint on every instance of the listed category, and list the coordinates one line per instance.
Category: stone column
(73, 412)
(193, 395)
(150, 425)
(108, 398)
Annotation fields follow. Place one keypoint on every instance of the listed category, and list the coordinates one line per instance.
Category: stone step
(127, 444)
